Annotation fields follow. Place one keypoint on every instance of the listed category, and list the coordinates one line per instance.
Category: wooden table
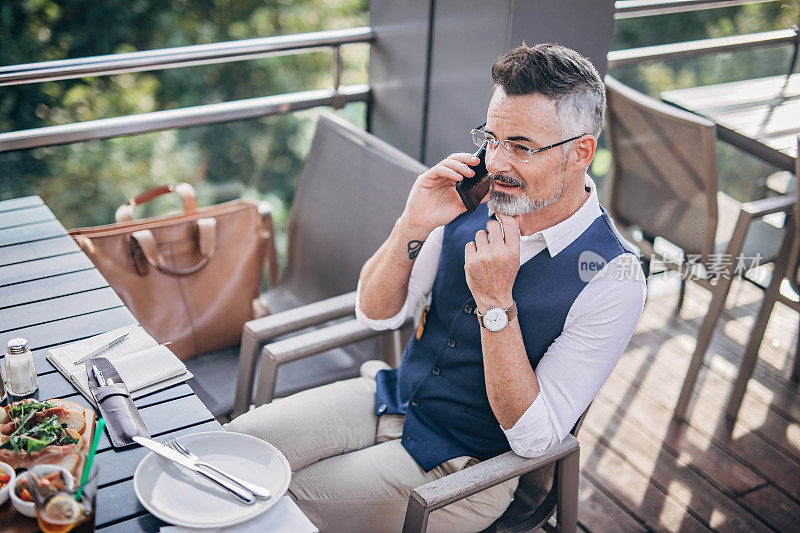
(50, 293)
(758, 116)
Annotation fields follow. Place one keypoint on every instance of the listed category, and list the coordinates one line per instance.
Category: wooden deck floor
(641, 471)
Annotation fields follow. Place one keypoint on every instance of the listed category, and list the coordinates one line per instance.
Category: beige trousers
(350, 472)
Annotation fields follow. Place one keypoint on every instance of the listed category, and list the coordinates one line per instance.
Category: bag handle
(184, 190)
(206, 238)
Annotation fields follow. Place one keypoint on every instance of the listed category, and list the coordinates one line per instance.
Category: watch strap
(511, 313)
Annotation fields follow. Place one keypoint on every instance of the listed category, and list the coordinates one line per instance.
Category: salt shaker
(2, 390)
(20, 372)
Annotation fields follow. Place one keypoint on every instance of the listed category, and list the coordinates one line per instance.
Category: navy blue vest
(440, 385)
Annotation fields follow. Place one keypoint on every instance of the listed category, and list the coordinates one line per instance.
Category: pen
(102, 349)
(98, 376)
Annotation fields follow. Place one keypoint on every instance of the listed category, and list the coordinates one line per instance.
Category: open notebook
(143, 364)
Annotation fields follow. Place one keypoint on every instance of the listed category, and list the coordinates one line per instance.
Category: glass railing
(254, 145)
(675, 44)
(250, 147)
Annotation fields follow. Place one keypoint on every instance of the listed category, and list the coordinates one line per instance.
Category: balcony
(641, 470)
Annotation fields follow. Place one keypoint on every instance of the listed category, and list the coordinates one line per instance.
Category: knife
(168, 453)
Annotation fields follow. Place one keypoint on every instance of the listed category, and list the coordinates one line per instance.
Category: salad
(34, 431)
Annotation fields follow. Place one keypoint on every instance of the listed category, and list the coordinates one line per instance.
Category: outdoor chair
(787, 266)
(352, 189)
(663, 183)
(549, 483)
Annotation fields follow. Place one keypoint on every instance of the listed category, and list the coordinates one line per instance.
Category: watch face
(495, 319)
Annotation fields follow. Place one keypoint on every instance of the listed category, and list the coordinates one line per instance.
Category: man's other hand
(491, 263)
(433, 200)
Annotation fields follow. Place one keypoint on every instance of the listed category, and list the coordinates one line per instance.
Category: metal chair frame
(561, 499)
(786, 267)
(706, 170)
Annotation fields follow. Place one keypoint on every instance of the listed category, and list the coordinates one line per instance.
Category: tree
(84, 182)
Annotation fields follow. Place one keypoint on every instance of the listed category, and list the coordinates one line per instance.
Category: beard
(510, 205)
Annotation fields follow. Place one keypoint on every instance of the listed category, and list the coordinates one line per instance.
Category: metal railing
(225, 52)
(186, 56)
(624, 9)
(617, 58)
(181, 118)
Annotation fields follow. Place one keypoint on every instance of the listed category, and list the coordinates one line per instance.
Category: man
(533, 298)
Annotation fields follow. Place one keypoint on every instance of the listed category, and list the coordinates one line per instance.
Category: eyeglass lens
(518, 151)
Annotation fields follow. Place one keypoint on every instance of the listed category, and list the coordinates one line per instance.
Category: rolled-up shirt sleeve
(420, 284)
(597, 330)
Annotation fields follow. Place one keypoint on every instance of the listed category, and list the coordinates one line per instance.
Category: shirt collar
(561, 235)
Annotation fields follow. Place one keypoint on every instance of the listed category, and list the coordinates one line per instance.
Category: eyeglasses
(518, 151)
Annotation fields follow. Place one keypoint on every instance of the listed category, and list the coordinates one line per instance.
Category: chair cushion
(782, 183)
(762, 238)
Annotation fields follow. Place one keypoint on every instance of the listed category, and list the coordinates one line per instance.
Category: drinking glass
(69, 508)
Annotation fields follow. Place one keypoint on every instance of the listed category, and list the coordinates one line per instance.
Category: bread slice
(74, 416)
(58, 458)
(75, 421)
(72, 406)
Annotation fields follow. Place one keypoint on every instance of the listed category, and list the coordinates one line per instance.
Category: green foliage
(261, 158)
(84, 182)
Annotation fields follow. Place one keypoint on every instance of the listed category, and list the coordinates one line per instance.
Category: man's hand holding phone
(433, 200)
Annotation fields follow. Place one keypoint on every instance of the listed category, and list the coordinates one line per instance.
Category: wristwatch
(495, 319)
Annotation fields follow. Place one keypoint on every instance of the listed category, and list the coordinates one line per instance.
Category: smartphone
(472, 190)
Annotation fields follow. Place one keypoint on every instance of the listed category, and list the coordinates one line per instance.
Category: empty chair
(352, 189)
(663, 183)
(787, 266)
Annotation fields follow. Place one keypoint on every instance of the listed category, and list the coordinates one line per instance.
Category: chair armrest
(263, 329)
(425, 499)
(271, 326)
(321, 340)
(306, 345)
(749, 211)
(486, 474)
(767, 206)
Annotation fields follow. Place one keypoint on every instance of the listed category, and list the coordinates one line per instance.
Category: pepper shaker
(20, 371)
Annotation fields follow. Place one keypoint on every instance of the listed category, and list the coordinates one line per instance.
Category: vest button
(451, 343)
(468, 309)
(414, 402)
(382, 408)
(436, 371)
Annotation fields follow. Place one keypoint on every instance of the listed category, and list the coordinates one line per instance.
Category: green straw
(101, 425)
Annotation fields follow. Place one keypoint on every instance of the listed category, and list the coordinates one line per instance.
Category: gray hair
(561, 74)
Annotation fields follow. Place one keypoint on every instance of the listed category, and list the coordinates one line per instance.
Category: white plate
(184, 498)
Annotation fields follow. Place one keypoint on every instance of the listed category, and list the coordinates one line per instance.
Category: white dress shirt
(597, 329)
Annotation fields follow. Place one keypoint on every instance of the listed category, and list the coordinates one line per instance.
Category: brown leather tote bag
(192, 279)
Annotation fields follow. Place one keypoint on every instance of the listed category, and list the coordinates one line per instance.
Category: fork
(257, 490)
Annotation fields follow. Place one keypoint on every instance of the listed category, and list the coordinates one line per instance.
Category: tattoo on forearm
(413, 249)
